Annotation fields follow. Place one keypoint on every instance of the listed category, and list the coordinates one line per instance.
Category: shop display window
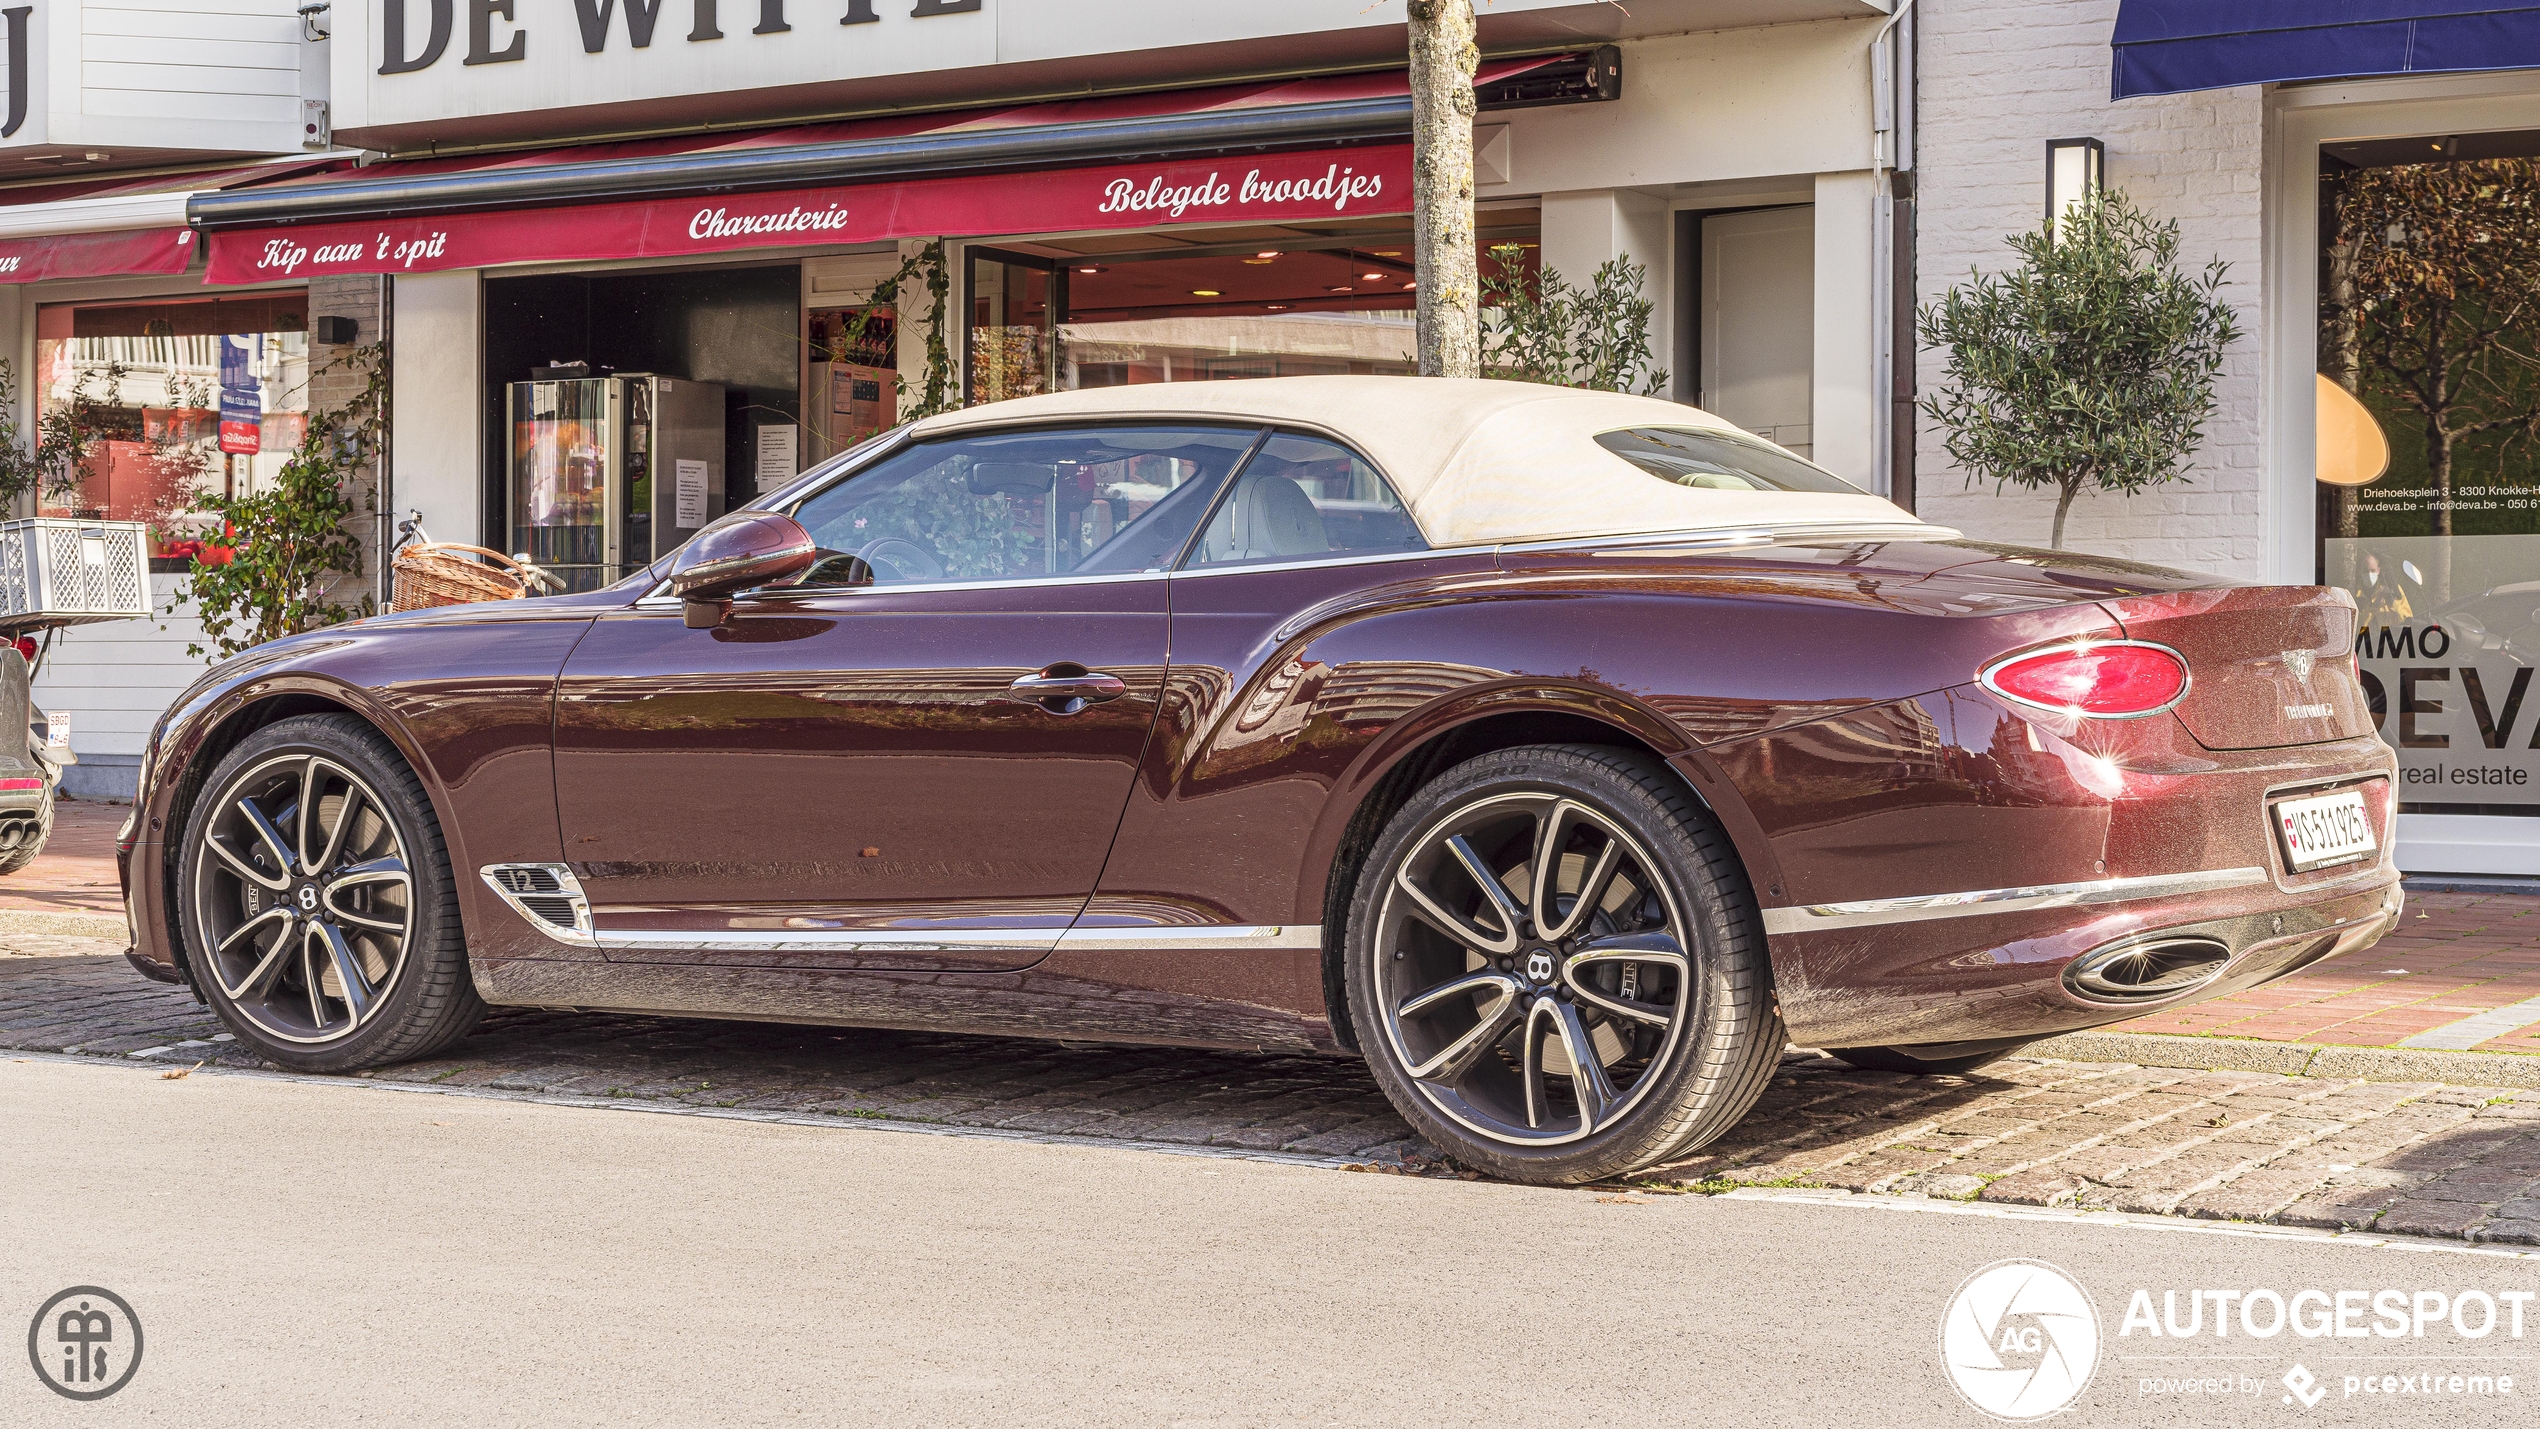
(1204, 304)
(2429, 451)
(153, 404)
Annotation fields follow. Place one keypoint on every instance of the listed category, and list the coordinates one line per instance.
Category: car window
(1058, 502)
(1723, 461)
(1301, 497)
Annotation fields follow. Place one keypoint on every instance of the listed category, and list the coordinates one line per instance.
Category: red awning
(113, 252)
(95, 255)
(1268, 188)
(1279, 187)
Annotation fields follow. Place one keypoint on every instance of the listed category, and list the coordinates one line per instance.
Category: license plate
(2331, 828)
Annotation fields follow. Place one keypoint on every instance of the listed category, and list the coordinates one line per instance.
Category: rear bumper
(2118, 855)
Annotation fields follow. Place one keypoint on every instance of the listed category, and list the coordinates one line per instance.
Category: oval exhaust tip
(2147, 970)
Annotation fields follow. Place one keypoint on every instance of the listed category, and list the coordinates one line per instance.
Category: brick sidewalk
(2404, 1158)
(76, 871)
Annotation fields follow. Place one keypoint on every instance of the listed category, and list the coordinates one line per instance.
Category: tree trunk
(2071, 488)
(1443, 58)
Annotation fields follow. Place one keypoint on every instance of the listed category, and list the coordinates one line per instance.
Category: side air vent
(2146, 971)
(548, 895)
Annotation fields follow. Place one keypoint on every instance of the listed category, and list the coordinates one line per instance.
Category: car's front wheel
(1557, 968)
(318, 909)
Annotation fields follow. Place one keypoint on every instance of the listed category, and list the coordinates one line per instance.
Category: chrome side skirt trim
(815, 939)
(1872, 912)
(1292, 937)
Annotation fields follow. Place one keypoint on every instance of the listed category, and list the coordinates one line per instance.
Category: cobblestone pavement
(2414, 1158)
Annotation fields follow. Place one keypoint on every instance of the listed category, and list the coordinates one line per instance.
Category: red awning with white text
(95, 255)
(482, 210)
(1266, 188)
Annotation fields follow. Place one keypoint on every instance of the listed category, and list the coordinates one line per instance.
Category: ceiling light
(1267, 253)
(1277, 307)
(1256, 262)
(1388, 252)
(1371, 277)
(1205, 293)
(1091, 268)
(1343, 288)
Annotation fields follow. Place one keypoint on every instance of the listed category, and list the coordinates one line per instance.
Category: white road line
(2476, 1028)
(2125, 1220)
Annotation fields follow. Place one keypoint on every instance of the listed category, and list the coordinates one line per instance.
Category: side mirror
(743, 550)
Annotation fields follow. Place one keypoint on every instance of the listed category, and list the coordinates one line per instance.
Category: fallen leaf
(181, 1073)
(2219, 1120)
(1620, 1201)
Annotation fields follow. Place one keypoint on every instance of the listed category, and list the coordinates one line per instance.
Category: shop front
(599, 347)
(2372, 182)
(135, 392)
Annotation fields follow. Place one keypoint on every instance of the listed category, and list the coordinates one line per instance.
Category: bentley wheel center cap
(1539, 965)
(307, 898)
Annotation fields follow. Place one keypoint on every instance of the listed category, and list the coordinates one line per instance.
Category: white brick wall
(1998, 79)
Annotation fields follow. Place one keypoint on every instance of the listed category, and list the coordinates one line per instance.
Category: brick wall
(1998, 79)
(334, 380)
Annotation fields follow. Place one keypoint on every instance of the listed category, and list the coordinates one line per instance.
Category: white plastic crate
(62, 572)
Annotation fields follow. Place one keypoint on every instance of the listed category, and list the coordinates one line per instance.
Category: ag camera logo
(2020, 1340)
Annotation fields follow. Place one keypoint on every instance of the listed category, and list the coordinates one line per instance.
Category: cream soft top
(1477, 461)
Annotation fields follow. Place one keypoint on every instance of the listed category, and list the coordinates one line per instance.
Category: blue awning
(2167, 46)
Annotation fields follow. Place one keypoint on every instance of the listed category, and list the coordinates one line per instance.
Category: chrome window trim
(1317, 563)
(1872, 912)
(2186, 683)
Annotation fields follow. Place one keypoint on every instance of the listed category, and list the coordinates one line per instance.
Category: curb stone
(2291, 1059)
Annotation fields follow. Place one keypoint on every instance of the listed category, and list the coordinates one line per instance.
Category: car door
(913, 757)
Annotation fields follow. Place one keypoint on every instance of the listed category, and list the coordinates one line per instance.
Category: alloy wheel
(304, 896)
(1531, 969)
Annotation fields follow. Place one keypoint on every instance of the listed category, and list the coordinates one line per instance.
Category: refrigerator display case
(610, 473)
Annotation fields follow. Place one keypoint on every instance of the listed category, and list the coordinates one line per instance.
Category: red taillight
(2105, 680)
(15, 786)
(26, 646)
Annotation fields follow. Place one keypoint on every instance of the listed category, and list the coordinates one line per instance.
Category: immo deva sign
(1268, 188)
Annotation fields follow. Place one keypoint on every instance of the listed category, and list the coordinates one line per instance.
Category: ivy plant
(291, 542)
(2087, 366)
(925, 266)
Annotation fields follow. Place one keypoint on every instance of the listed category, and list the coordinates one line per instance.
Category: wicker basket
(440, 573)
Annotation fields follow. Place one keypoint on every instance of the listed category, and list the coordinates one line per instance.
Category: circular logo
(85, 1343)
(1539, 965)
(308, 898)
(2020, 1340)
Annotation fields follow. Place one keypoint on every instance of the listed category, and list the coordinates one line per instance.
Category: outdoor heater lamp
(2075, 171)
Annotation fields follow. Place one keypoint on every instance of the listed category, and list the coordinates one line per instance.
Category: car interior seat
(1269, 517)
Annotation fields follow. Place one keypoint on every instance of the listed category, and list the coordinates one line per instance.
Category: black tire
(423, 999)
(18, 855)
(1939, 1059)
(1691, 1079)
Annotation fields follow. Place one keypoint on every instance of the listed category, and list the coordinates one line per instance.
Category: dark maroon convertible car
(1565, 754)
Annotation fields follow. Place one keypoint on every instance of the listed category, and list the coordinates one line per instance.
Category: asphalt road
(346, 1254)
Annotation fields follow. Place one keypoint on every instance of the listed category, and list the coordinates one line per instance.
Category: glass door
(1015, 302)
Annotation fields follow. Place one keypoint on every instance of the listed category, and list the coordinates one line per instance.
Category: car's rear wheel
(1557, 968)
(1938, 1059)
(318, 908)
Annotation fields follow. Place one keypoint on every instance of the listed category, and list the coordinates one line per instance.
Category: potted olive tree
(2088, 366)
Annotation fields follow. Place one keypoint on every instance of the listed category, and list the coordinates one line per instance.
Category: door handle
(1066, 689)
